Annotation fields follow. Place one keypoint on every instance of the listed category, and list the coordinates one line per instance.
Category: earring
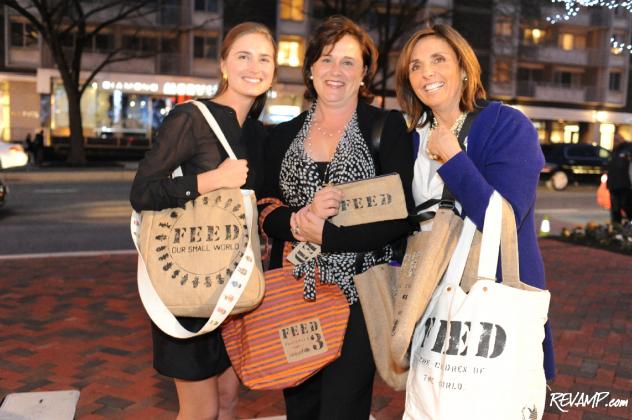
(465, 78)
(311, 77)
(224, 76)
(362, 83)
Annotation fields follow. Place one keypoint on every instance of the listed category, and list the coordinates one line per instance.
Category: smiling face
(338, 72)
(435, 75)
(249, 65)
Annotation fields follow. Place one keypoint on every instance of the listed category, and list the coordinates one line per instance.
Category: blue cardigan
(503, 154)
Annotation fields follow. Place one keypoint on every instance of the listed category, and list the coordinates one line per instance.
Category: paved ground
(76, 322)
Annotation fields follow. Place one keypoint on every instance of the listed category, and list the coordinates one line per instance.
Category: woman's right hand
(231, 173)
(326, 202)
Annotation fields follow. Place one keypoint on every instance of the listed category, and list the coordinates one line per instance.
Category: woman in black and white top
(331, 144)
(207, 386)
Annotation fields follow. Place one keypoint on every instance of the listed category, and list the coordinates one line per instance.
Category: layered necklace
(456, 127)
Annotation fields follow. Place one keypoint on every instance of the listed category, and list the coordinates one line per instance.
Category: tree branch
(13, 4)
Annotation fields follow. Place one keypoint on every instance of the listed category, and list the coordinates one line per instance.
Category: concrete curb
(69, 254)
(69, 175)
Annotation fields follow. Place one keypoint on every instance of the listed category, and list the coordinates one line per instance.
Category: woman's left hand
(310, 225)
(443, 144)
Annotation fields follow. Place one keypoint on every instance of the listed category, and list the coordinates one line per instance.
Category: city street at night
(527, 101)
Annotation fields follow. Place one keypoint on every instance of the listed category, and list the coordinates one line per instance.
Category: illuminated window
(502, 71)
(292, 10)
(617, 44)
(5, 112)
(606, 135)
(503, 28)
(533, 36)
(290, 51)
(566, 41)
(540, 127)
(571, 133)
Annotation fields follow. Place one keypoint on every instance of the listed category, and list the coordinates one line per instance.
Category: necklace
(326, 133)
(456, 127)
(308, 145)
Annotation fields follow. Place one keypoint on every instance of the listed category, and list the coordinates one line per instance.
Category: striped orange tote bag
(286, 339)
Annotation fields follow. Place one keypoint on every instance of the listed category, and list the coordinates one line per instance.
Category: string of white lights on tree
(572, 8)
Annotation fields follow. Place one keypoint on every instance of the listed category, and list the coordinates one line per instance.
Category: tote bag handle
(157, 310)
(215, 127)
(499, 233)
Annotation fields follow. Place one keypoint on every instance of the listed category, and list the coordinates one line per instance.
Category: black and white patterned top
(299, 180)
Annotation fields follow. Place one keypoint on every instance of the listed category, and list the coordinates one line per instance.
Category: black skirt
(191, 359)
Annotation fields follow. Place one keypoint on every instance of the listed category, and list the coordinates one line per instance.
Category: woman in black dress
(207, 386)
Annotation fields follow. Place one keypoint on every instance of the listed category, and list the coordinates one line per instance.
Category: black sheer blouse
(185, 139)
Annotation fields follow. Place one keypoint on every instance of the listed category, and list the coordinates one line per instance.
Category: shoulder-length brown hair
(326, 35)
(235, 33)
(473, 87)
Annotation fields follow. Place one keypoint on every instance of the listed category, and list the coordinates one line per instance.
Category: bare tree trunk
(77, 153)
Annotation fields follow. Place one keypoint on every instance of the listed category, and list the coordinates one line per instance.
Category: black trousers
(620, 199)
(343, 389)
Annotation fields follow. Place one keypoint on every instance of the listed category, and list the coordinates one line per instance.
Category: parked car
(566, 163)
(12, 155)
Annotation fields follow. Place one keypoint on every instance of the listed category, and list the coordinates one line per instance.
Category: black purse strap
(376, 136)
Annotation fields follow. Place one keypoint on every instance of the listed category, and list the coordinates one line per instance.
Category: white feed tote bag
(478, 355)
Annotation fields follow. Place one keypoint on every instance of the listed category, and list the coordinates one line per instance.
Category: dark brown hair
(327, 34)
(235, 33)
(473, 87)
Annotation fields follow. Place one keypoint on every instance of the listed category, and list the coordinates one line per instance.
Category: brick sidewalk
(77, 323)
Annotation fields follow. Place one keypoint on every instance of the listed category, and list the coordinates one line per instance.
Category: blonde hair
(473, 87)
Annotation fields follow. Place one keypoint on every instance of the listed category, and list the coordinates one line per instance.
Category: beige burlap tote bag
(202, 260)
(397, 297)
(377, 288)
(427, 257)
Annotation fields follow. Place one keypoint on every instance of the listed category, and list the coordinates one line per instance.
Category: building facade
(564, 76)
(178, 50)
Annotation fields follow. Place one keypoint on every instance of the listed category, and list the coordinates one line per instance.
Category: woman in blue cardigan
(438, 84)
